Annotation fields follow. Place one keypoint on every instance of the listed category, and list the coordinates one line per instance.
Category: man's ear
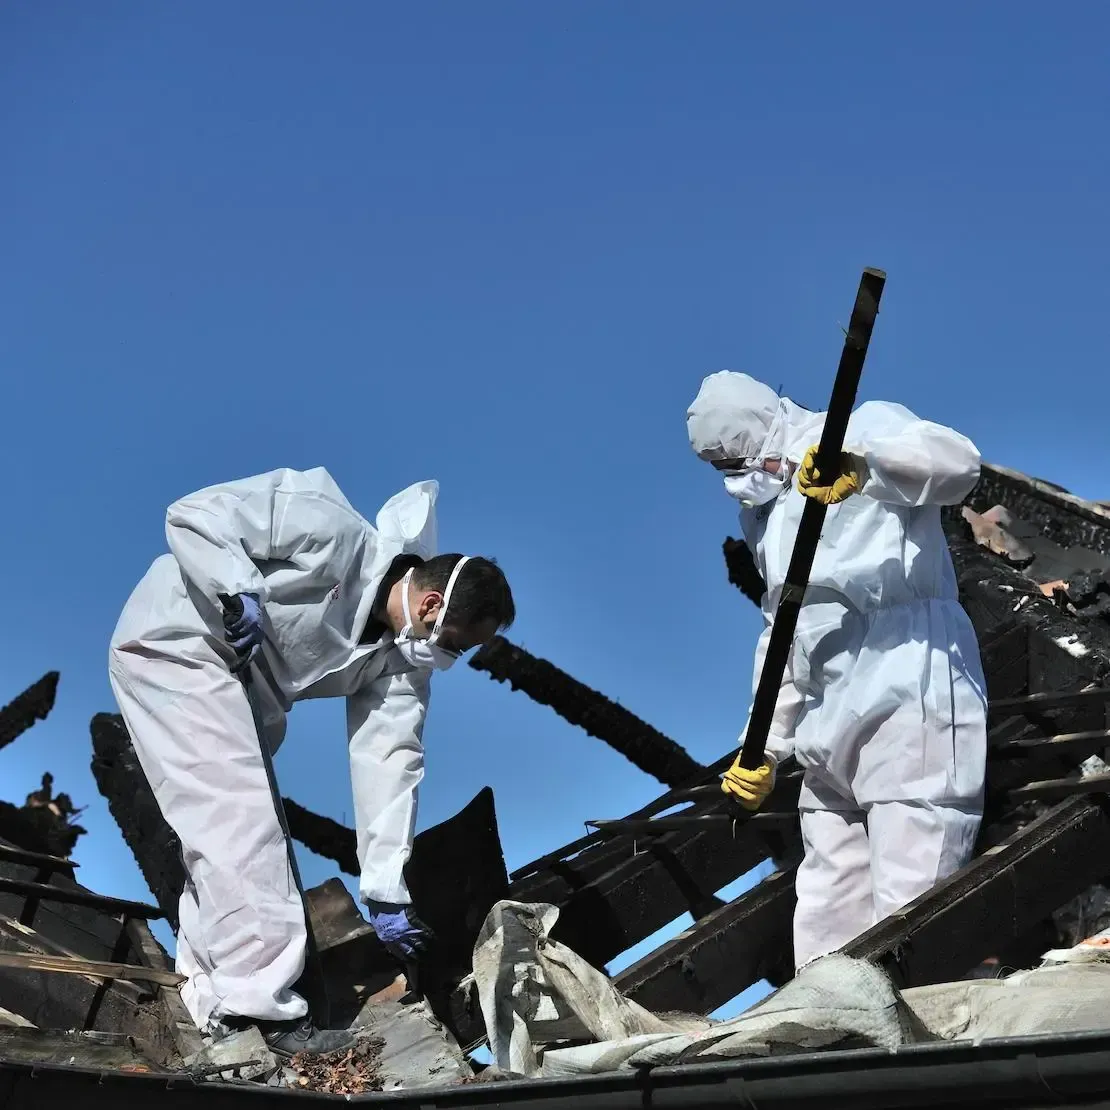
(429, 606)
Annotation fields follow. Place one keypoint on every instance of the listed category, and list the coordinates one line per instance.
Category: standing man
(279, 576)
(883, 701)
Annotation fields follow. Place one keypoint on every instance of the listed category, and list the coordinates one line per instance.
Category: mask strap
(438, 627)
(774, 433)
(407, 630)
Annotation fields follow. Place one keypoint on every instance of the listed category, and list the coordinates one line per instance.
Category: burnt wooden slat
(34, 704)
(79, 897)
(63, 1001)
(998, 897)
(697, 970)
(1047, 790)
(645, 747)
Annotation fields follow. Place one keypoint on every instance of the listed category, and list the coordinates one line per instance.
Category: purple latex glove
(243, 627)
(399, 929)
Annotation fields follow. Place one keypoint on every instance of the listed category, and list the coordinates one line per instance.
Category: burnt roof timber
(641, 744)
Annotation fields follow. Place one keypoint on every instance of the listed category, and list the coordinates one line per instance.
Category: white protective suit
(293, 539)
(883, 701)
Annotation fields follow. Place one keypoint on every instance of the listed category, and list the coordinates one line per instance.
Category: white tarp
(535, 992)
(1068, 993)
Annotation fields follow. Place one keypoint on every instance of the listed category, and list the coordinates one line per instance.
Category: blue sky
(500, 244)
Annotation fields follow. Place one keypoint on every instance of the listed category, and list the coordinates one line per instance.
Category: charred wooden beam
(611, 897)
(121, 780)
(642, 745)
(697, 971)
(34, 704)
(63, 1001)
(1058, 515)
(996, 899)
(323, 836)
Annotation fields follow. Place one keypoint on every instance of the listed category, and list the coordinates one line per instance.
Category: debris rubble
(353, 1071)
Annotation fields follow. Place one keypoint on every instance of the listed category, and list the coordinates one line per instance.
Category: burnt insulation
(34, 704)
(645, 747)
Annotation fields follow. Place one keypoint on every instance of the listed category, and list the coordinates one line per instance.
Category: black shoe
(287, 1038)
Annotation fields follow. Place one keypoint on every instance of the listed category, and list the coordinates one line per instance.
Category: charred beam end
(742, 571)
(645, 747)
(34, 704)
(323, 836)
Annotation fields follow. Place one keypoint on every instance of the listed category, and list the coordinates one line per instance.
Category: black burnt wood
(34, 704)
(55, 1001)
(703, 967)
(1057, 516)
(643, 746)
(79, 897)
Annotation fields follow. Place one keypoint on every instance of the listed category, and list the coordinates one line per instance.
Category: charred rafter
(642, 745)
(34, 704)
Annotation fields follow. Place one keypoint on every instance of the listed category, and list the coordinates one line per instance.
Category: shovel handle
(845, 386)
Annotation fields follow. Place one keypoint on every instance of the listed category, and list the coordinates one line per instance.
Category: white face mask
(426, 654)
(755, 487)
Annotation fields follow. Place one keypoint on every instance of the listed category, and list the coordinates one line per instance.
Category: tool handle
(843, 399)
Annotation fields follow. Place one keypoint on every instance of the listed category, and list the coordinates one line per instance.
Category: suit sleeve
(911, 462)
(385, 724)
(219, 535)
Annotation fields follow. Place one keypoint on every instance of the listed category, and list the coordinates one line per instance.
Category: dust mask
(426, 654)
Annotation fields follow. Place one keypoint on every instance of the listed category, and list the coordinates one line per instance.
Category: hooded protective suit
(293, 539)
(883, 701)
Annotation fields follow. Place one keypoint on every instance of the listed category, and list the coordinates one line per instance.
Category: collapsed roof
(1032, 563)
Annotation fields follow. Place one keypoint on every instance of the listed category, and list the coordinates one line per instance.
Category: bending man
(883, 701)
(278, 574)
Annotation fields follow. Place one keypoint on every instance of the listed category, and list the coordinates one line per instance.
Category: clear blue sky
(499, 244)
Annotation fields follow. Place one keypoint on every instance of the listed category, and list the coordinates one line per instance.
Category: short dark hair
(481, 592)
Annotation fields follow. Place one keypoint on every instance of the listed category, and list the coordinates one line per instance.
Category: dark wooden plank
(998, 897)
(84, 930)
(38, 860)
(63, 1001)
(79, 897)
(697, 966)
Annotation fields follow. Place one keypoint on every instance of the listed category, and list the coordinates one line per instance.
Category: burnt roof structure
(1032, 563)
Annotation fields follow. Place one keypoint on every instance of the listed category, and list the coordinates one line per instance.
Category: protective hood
(732, 417)
(408, 519)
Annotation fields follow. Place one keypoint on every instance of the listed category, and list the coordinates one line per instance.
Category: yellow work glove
(750, 788)
(813, 484)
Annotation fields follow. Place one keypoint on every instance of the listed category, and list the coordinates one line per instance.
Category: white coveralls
(293, 539)
(883, 701)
